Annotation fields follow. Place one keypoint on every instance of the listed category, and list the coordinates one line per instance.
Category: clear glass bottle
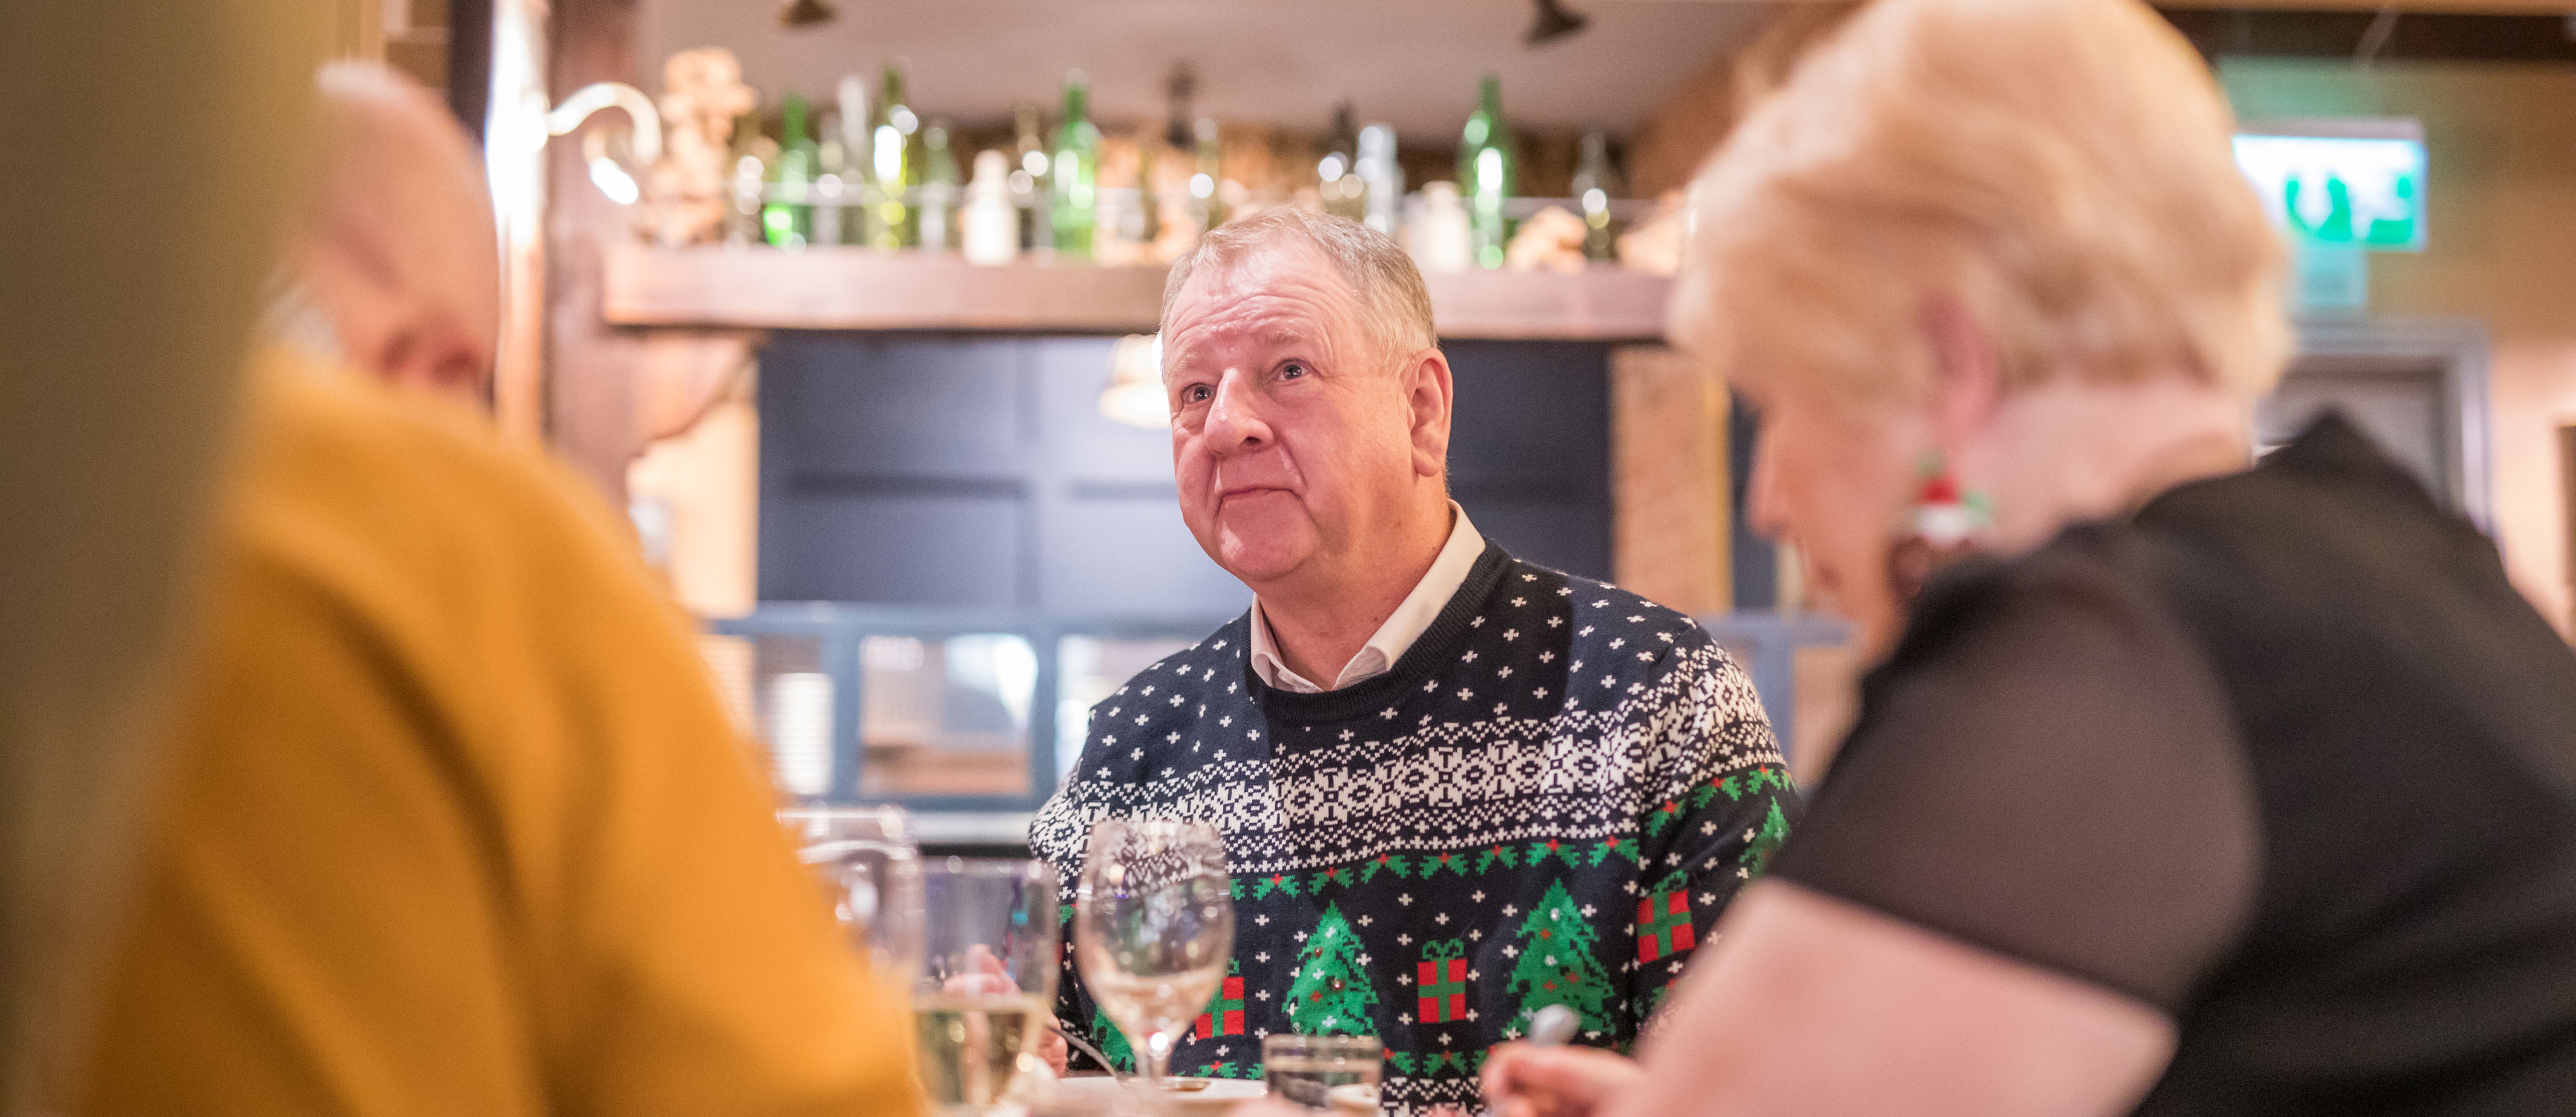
(1337, 173)
(1207, 203)
(1487, 163)
(1595, 183)
(990, 225)
(1028, 179)
(1383, 177)
(939, 181)
(1074, 172)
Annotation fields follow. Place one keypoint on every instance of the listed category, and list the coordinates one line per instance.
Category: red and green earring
(1945, 524)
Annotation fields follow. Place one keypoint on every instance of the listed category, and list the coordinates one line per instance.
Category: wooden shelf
(856, 289)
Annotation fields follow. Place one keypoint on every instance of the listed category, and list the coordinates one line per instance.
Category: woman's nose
(1762, 505)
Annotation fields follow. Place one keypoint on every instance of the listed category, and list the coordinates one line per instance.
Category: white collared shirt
(1410, 619)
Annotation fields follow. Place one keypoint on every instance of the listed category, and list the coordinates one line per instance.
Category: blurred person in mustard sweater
(454, 823)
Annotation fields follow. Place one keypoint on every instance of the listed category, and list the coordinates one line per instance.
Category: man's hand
(1523, 1080)
(991, 977)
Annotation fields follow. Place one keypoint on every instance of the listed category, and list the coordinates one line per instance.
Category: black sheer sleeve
(2047, 769)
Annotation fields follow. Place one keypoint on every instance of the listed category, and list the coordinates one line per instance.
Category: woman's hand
(991, 977)
(1522, 1080)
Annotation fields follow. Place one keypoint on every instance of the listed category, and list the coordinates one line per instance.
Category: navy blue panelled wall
(976, 471)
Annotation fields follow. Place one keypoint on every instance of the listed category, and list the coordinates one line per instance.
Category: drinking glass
(1153, 926)
(1323, 1072)
(872, 866)
(987, 985)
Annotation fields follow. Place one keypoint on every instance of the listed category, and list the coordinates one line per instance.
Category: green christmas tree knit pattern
(1548, 800)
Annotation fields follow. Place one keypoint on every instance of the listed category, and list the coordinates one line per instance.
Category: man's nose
(1234, 419)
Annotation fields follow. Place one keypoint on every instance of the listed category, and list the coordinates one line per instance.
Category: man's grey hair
(1388, 286)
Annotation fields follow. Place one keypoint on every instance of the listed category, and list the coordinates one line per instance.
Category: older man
(1455, 787)
(394, 268)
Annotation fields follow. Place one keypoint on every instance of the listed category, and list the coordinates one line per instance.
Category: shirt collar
(1393, 638)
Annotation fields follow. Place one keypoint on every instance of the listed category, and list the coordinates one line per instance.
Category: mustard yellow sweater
(453, 823)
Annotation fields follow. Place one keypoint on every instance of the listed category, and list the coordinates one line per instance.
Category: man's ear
(1428, 394)
(1967, 377)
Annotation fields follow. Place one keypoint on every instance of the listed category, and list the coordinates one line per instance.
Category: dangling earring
(1943, 525)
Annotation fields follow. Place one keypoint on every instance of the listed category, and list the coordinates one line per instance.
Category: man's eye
(1196, 393)
(1291, 370)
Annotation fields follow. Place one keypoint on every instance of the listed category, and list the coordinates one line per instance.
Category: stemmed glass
(987, 985)
(1153, 926)
(872, 865)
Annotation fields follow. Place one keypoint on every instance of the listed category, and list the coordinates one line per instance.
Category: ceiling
(1283, 62)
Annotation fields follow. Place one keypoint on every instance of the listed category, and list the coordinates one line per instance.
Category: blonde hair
(2061, 169)
(1381, 275)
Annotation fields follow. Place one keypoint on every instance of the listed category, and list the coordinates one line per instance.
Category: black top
(1546, 801)
(2284, 756)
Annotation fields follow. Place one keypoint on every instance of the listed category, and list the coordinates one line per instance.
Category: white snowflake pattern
(1564, 591)
(1261, 920)
(1363, 920)
(1477, 623)
(1176, 700)
(1511, 634)
(1465, 694)
(1604, 603)
(1510, 951)
(1636, 620)
(1264, 956)
(1510, 911)
(1441, 918)
(1475, 934)
(1547, 657)
(1539, 693)
(1404, 898)
(1505, 673)
(1347, 735)
(1146, 691)
(1520, 601)
(1226, 720)
(1500, 708)
(1135, 754)
(1387, 713)
(1645, 657)
(1171, 738)
(1529, 577)
(1404, 940)
(1615, 645)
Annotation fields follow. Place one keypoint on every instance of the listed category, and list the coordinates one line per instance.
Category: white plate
(1098, 1093)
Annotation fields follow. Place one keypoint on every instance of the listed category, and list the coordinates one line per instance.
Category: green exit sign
(2346, 183)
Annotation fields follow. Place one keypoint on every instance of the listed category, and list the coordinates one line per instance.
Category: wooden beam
(857, 289)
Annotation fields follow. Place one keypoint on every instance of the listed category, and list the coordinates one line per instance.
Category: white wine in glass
(1153, 927)
(987, 985)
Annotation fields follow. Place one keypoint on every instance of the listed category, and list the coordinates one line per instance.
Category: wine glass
(1153, 927)
(987, 985)
(872, 866)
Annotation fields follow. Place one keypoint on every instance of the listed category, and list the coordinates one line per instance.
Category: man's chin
(1262, 559)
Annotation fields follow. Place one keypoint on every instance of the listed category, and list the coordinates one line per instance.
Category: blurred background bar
(866, 350)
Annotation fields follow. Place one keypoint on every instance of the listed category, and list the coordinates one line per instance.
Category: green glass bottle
(1487, 162)
(787, 220)
(1075, 172)
(894, 177)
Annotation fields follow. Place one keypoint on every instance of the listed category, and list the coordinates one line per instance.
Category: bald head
(398, 247)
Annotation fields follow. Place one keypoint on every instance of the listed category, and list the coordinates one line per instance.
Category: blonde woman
(2186, 785)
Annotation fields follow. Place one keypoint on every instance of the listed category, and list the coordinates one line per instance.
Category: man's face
(1298, 440)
